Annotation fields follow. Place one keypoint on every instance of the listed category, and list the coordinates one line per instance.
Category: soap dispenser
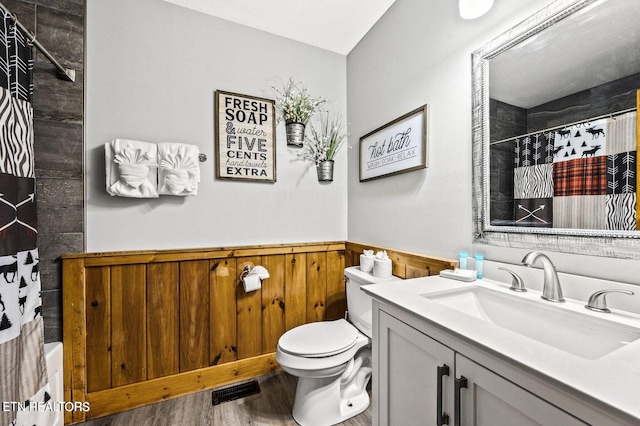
(479, 265)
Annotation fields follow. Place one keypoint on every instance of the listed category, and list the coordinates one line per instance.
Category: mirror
(555, 131)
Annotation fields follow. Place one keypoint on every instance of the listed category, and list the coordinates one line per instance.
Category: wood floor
(271, 407)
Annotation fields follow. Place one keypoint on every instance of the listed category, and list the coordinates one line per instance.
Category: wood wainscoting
(404, 264)
(145, 326)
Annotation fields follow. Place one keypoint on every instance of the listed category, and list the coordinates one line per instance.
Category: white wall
(420, 52)
(151, 72)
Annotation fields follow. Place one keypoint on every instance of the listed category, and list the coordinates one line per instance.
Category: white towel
(179, 172)
(131, 168)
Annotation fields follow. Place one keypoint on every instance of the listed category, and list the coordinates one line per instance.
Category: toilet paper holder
(245, 272)
(251, 278)
(260, 271)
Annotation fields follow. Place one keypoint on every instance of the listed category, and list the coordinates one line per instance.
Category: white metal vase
(325, 171)
(295, 134)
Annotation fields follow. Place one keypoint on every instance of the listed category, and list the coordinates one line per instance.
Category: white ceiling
(596, 45)
(335, 25)
(601, 45)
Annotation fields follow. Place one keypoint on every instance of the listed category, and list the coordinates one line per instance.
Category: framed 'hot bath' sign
(245, 137)
(397, 147)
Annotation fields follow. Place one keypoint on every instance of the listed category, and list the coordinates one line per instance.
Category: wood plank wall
(404, 264)
(141, 327)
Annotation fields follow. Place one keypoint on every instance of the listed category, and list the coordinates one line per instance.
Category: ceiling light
(471, 9)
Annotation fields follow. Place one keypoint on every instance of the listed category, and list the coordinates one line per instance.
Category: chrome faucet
(551, 290)
(598, 300)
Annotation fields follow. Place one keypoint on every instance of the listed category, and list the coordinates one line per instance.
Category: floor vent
(235, 392)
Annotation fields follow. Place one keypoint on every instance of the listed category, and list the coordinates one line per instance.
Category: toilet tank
(358, 302)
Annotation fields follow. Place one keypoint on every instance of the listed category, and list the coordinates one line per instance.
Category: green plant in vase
(296, 106)
(323, 143)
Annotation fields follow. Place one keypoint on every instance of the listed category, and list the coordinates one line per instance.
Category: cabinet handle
(460, 383)
(442, 417)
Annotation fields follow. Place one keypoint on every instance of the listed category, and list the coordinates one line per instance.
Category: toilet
(332, 359)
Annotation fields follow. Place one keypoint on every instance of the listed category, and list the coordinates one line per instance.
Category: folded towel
(179, 172)
(131, 168)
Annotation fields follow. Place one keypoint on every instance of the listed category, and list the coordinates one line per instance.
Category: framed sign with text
(397, 147)
(245, 130)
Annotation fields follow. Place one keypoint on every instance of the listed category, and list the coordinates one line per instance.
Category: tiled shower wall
(610, 97)
(58, 121)
(506, 121)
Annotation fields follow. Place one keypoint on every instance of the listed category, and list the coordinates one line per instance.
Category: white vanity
(449, 352)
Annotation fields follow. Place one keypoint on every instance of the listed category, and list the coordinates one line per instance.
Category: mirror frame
(617, 244)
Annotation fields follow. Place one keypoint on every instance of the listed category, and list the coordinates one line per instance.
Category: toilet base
(318, 402)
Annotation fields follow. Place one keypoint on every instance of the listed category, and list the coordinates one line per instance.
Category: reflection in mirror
(555, 129)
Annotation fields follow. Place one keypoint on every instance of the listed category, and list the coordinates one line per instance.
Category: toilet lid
(319, 339)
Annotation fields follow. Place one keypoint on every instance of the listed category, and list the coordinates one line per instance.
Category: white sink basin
(577, 333)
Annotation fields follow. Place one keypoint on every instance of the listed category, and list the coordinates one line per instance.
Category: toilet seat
(332, 360)
(319, 339)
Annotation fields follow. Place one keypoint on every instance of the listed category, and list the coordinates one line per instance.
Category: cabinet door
(409, 376)
(489, 399)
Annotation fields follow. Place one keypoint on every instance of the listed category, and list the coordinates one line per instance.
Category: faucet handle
(517, 284)
(598, 300)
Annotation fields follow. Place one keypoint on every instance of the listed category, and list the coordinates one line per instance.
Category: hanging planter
(322, 145)
(325, 171)
(295, 107)
(295, 134)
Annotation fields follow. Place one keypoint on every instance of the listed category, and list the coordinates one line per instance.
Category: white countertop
(613, 379)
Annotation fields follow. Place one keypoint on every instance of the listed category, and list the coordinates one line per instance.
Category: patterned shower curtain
(23, 379)
(581, 176)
